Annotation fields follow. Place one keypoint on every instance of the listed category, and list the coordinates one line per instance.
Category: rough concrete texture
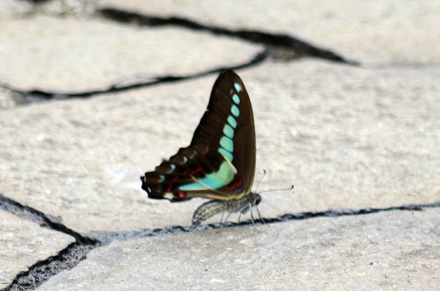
(22, 243)
(377, 32)
(346, 136)
(59, 55)
(333, 131)
(396, 250)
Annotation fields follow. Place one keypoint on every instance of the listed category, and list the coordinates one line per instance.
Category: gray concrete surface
(387, 251)
(346, 136)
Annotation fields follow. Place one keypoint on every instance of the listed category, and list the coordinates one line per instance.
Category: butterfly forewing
(220, 161)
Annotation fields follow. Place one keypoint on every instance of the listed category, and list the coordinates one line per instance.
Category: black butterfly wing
(220, 161)
(229, 92)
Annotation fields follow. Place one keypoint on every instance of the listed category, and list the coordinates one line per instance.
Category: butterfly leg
(259, 214)
(245, 210)
(252, 214)
(229, 214)
(223, 215)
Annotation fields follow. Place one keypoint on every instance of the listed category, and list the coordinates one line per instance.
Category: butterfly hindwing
(220, 161)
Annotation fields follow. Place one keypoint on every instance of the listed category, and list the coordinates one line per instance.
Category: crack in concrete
(44, 220)
(280, 41)
(42, 271)
(278, 46)
(35, 96)
(66, 259)
(177, 229)
(74, 253)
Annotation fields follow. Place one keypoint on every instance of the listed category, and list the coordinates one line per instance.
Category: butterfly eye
(257, 199)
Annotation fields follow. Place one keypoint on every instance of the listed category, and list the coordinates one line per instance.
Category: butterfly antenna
(259, 182)
(274, 190)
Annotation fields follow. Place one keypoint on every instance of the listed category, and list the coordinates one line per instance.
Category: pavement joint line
(177, 229)
(77, 251)
(44, 220)
(66, 259)
(35, 96)
(43, 270)
(269, 39)
(273, 42)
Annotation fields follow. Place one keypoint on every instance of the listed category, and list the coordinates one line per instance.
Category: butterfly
(219, 163)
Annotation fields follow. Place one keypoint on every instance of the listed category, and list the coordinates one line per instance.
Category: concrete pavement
(89, 102)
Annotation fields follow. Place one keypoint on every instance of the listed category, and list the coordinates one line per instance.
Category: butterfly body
(219, 163)
(213, 207)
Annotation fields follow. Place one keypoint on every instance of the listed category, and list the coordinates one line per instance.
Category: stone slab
(24, 243)
(372, 32)
(346, 137)
(79, 55)
(395, 250)
(349, 137)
